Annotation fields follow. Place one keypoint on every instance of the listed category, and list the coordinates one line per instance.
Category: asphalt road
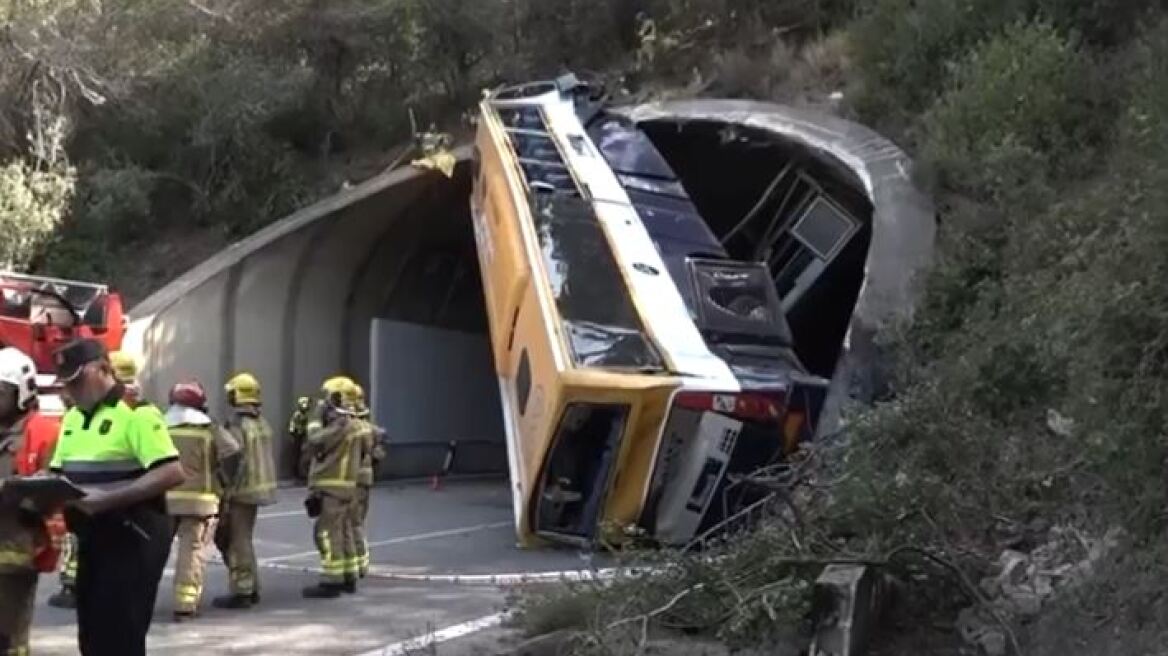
(436, 556)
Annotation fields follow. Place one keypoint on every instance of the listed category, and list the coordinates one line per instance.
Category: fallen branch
(644, 619)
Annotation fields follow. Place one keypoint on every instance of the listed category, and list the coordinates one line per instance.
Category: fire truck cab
(39, 315)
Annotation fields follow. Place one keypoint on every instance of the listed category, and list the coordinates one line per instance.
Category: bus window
(598, 315)
(579, 469)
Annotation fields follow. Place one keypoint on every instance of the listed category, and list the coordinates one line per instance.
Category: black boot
(184, 616)
(233, 602)
(255, 598)
(350, 586)
(64, 599)
(321, 591)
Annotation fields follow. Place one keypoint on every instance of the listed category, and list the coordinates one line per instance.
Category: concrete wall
(431, 386)
(293, 303)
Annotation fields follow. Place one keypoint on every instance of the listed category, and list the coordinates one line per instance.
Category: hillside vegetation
(1028, 398)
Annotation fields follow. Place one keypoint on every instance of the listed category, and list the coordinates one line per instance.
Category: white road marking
(428, 640)
(286, 513)
(494, 580)
(399, 540)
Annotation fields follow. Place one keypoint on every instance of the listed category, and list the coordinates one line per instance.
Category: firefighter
(125, 368)
(255, 486)
(123, 531)
(337, 439)
(210, 456)
(298, 432)
(28, 544)
(126, 372)
(374, 449)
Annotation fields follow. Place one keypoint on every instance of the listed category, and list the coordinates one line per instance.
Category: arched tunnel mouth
(429, 361)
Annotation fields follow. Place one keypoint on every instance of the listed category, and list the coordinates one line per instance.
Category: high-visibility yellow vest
(257, 478)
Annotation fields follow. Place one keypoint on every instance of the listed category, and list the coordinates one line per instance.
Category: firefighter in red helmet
(210, 457)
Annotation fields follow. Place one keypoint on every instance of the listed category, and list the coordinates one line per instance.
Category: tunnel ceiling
(293, 303)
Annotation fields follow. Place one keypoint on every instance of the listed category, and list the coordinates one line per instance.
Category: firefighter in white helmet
(28, 544)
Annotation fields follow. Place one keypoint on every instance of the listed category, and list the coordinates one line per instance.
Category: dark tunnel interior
(726, 170)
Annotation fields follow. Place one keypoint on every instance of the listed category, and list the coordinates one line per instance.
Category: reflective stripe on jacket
(201, 446)
(256, 484)
(339, 450)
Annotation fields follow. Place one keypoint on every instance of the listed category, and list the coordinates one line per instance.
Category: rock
(1022, 601)
(1043, 585)
(1014, 566)
(848, 602)
(993, 643)
(1059, 424)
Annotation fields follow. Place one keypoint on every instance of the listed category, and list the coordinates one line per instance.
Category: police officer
(374, 450)
(209, 455)
(255, 486)
(338, 441)
(298, 432)
(123, 531)
(125, 368)
(26, 444)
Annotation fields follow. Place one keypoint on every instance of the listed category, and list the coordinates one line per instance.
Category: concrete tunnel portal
(381, 281)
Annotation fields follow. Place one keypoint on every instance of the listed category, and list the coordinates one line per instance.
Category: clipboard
(42, 491)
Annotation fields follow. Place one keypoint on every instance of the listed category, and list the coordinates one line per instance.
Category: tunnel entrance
(433, 382)
(760, 195)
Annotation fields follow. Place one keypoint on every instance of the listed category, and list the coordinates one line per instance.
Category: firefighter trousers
(69, 562)
(334, 540)
(360, 541)
(17, 597)
(194, 534)
(241, 558)
(120, 559)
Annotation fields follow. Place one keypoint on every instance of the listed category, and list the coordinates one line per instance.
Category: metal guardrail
(450, 447)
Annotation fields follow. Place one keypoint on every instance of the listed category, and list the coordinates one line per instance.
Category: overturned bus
(640, 365)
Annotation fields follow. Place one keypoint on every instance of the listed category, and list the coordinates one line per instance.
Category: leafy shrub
(116, 202)
(32, 204)
(1024, 106)
(906, 49)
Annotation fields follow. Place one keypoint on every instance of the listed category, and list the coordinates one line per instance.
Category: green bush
(32, 204)
(905, 51)
(115, 203)
(1026, 106)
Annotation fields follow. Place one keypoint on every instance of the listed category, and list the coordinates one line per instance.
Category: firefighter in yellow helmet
(339, 441)
(374, 450)
(254, 486)
(298, 433)
(125, 368)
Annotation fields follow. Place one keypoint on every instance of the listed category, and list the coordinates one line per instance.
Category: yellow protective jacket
(374, 452)
(18, 536)
(256, 483)
(202, 447)
(339, 450)
(298, 424)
